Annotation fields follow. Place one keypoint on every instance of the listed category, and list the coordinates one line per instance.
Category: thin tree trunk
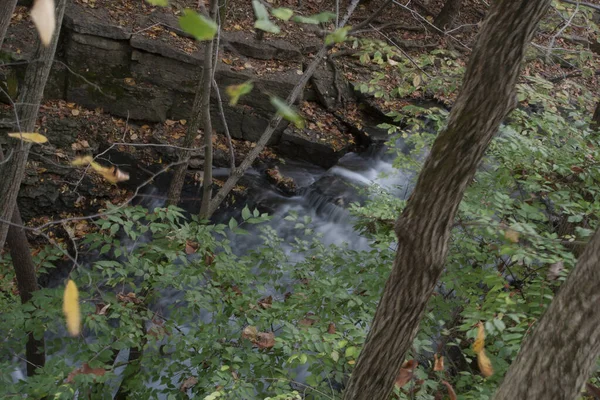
(28, 106)
(558, 357)
(207, 78)
(27, 284)
(446, 16)
(178, 177)
(423, 228)
(201, 98)
(7, 7)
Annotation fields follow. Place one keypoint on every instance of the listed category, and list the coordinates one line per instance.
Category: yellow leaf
(42, 15)
(480, 341)
(71, 308)
(511, 235)
(29, 137)
(485, 365)
(111, 174)
(81, 161)
(417, 80)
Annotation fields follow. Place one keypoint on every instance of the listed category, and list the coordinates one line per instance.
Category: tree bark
(446, 16)
(558, 357)
(27, 284)
(423, 228)
(28, 106)
(200, 109)
(7, 7)
(207, 78)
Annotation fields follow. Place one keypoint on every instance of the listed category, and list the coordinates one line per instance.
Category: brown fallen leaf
(331, 328)
(451, 392)
(188, 383)
(101, 308)
(190, 247)
(406, 373)
(438, 364)
(266, 302)
(511, 235)
(86, 370)
(266, 340)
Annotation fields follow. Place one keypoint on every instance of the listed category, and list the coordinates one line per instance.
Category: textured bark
(7, 7)
(29, 102)
(178, 177)
(423, 228)
(207, 78)
(201, 104)
(446, 16)
(558, 357)
(27, 284)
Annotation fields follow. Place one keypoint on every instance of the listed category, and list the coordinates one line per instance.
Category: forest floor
(409, 31)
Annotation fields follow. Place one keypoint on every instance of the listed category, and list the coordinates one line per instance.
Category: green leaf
(499, 324)
(260, 11)
(246, 213)
(287, 112)
(337, 36)
(314, 19)
(160, 3)
(335, 356)
(266, 25)
(282, 13)
(236, 91)
(200, 27)
(232, 223)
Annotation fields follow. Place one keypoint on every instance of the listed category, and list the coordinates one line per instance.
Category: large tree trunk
(558, 357)
(207, 77)
(7, 7)
(27, 284)
(200, 110)
(423, 229)
(29, 103)
(447, 15)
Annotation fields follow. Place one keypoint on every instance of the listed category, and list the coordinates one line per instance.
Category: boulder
(307, 145)
(165, 72)
(135, 101)
(326, 85)
(79, 19)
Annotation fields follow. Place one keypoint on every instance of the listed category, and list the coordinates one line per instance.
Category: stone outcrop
(131, 75)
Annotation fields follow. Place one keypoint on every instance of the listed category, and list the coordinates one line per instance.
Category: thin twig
(402, 51)
(565, 26)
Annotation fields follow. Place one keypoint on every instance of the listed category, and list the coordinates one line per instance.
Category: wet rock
(307, 145)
